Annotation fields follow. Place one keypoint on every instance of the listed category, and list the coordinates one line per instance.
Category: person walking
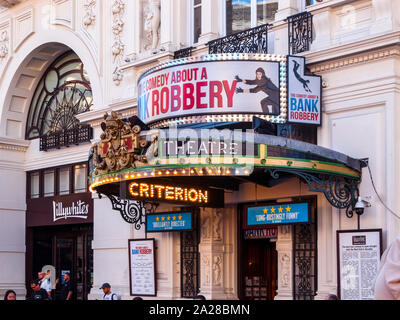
(387, 282)
(108, 295)
(45, 283)
(38, 293)
(10, 295)
(66, 288)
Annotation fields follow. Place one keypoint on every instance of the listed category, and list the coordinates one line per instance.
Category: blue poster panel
(163, 222)
(277, 214)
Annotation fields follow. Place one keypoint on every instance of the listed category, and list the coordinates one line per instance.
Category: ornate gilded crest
(121, 146)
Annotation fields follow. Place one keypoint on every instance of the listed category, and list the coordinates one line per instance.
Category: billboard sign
(304, 94)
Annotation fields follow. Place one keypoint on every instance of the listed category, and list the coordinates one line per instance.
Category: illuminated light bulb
(167, 172)
(145, 174)
(139, 175)
(132, 176)
(126, 177)
(159, 173)
(183, 172)
(201, 172)
(192, 171)
(228, 172)
(153, 174)
(175, 172)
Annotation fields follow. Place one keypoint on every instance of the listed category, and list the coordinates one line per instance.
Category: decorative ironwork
(253, 40)
(65, 138)
(133, 212)
(300, 32)
(190, 268)
(305, 259)
(183, 53)
(62, 93)
(342, 193)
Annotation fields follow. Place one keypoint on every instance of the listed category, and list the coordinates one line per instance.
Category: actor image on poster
(264, 84)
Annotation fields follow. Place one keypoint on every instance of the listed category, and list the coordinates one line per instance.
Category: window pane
(35, 185)
(80, 177)
(197, 24)
(49, 183)
(266, 10)
(238, 15)
(63, 184)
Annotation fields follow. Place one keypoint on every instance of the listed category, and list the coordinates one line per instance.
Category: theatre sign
(229, 87)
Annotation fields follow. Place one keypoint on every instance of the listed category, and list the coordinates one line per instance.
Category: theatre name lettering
(77, 210)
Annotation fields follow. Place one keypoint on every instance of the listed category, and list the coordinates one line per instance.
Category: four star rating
(274, 209)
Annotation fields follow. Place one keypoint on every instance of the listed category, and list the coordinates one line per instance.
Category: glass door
(64, 259)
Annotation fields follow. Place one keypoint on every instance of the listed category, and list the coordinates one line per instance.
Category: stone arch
(26, 68)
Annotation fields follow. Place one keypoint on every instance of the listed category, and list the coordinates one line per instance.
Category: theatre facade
(218, 156)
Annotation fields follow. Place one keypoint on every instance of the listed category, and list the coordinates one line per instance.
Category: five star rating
(169, 218)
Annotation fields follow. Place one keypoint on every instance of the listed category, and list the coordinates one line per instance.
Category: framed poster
(142, 273)
(358, 253)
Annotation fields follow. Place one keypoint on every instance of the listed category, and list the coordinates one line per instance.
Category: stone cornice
(325, 56)
(355, 59)
(13, 144)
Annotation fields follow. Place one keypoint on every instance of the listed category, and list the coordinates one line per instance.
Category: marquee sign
(167, 222)
(213, 86)
(179, 194)
(304, 94)
(277, 214)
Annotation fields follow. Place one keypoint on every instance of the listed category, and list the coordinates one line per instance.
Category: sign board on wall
(277, 214)
(168, 222)
(60, 210)
(142, 272)
(210, 88)
(304, 94)
(359, 254)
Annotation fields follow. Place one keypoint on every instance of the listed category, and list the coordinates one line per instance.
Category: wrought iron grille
(190, 262)
(74, 136)
(300, 32)
(305, 259)
(253, 40)
(183, 53)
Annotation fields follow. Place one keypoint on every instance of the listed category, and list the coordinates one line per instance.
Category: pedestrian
(331, 297)
(108, 295)
(45, 283)
(66, 288)
(38, 293)
(387, 283)
(199, 297)
(10, 295)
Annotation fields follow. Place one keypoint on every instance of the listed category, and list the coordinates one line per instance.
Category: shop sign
(174, 193)
(167, 222)
(77, 210)
(277, 214)
(270, 233)
(359, 253)
(142, 272)
(304, 94)
(210, 88)
(74, 208)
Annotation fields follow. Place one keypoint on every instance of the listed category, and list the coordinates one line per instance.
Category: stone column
(212, 255)
(284, 246)
(210, 20)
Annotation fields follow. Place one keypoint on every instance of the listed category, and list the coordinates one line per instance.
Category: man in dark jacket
(38, 293)
(263, 84)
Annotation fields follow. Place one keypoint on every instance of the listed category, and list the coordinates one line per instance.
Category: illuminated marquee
(176, 194)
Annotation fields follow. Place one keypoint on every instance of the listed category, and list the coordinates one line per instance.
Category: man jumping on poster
(298, 77)
(264, 84)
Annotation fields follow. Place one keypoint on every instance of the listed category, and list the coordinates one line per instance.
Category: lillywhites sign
(277, 214)
(304, 94)
(178, 221)
(77, 210)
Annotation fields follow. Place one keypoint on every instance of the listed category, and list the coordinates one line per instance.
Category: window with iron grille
(300, 32)
(63, 92)
(190, 263)
(305, 258)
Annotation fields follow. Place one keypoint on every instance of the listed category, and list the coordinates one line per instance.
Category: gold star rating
(265, 210)
(174, 218)
(280, 209)
(163, 218)
(169, 218)
(288, 209)
(273, 210)
(180, 217)
(158, 218)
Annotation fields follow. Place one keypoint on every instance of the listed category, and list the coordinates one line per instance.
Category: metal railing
(253, 40)
(300, 32)
(74, 136)
(183, 53)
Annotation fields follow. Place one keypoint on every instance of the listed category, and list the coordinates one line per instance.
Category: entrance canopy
(194, 166)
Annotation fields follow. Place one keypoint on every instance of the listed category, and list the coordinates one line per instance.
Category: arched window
(62, 93)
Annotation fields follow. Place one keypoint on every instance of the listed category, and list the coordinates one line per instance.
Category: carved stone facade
(151, 14)
(118, 46)
(284, 247)
(90, 14)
